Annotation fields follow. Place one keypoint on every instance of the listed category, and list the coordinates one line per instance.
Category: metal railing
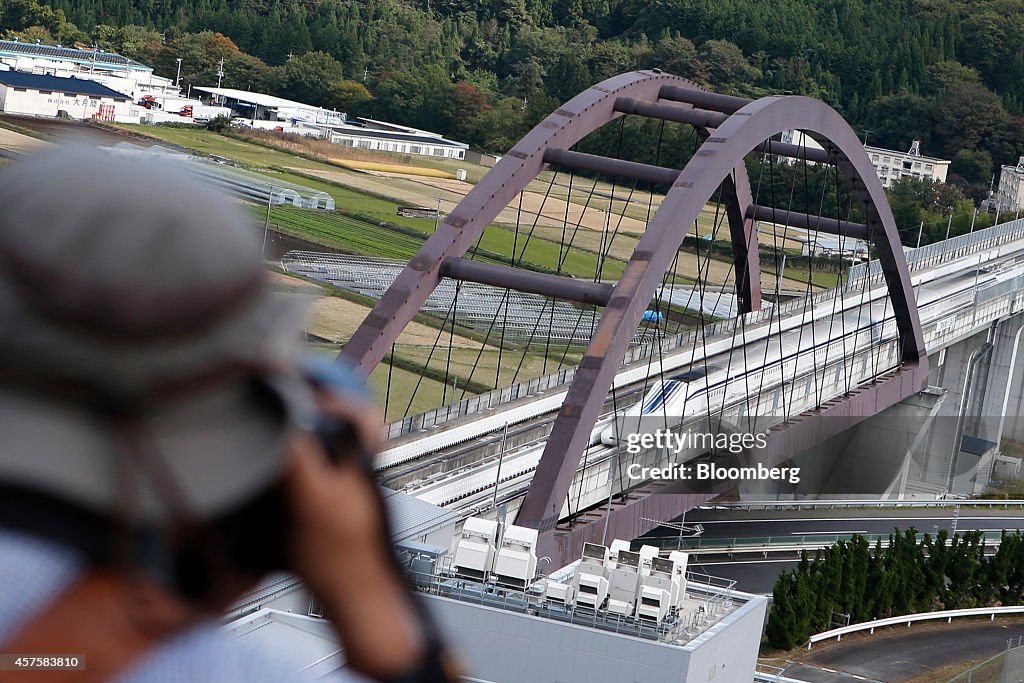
(788, 542)
(1005, 667)
(717, 599)
(857, 503)
(939, 252)
(909, 619)
(918, 259)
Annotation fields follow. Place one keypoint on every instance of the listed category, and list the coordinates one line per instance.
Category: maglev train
(667, 398)
(704, 390)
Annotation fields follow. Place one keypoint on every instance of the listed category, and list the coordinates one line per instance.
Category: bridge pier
(1013, 414)
(867, 460)
(982, 375)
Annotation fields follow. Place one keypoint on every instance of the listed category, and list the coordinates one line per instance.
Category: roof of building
(881, 150)
(257, 98)
(80, 86)
(108, 59)
(397, 127)
(412, 518)
(402, 137)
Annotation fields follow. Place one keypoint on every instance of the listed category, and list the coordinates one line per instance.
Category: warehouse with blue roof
(39, 95)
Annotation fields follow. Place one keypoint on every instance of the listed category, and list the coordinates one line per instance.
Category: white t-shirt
(33, 571)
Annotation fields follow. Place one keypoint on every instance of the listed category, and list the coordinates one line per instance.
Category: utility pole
(177, 79)
(974, 217)
(266, 223)
(949, 225)
(220, 71)
(920, 230)
(497, 475)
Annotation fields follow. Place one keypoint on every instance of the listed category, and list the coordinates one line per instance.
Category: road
(756, 574)
(902, 653)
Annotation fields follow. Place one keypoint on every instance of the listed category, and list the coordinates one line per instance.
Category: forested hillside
(948, 72)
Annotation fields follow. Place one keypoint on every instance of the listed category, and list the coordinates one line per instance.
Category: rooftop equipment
(516, 562)
(474, 555)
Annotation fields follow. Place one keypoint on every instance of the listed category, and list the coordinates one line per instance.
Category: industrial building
(613, 615)
(259, 110)
(268, 111)
(1011, 188)
(891, 165)
(390, 137)
(112, 70)
(38, 95)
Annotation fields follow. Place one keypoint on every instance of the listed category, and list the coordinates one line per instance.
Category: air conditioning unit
(679, 559)
(591, 590)
(561, 593)
(474, 555)
(624, 579)
(647, 553)
(653, 604)
(516, 562)
(620, 608)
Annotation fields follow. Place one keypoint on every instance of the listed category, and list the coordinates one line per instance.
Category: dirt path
(20, 144)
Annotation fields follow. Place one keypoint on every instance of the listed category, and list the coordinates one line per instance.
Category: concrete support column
(872, 460)
(1013, 413)
(953, 369)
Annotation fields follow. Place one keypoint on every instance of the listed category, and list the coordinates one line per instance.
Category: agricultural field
(425, 393)
(341, 232)
(352, 235)
(514, 367)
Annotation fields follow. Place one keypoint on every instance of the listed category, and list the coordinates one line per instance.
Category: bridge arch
(737, 127)
(571, 122)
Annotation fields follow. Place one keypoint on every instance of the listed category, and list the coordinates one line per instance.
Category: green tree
(308, 78)
(349, 96)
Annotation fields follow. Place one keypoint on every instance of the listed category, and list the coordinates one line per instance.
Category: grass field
(338, 231)
(403, 384)
(352, 235)
(463, 359)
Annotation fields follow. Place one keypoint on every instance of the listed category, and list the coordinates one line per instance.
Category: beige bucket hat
(130, 294)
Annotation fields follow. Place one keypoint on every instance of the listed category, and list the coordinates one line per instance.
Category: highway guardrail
(908, 619)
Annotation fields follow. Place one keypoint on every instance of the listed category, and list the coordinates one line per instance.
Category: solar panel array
(483, 307)
(259, 188)
(66, 53)
(242, 183)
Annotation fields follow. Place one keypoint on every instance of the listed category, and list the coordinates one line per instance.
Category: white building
(891, 165)
(800, 139)
(390, 137)
(112, 70)
(1011, 188)
(36, 95)
(260, 108)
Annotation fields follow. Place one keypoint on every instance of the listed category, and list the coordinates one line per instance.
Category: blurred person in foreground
(163, 446)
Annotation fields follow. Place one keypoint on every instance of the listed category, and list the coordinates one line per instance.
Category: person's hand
(339, 546)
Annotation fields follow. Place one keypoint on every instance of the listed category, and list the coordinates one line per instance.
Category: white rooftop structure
(891, 165)
(262, 107)
(382, 136)
(115, 71)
